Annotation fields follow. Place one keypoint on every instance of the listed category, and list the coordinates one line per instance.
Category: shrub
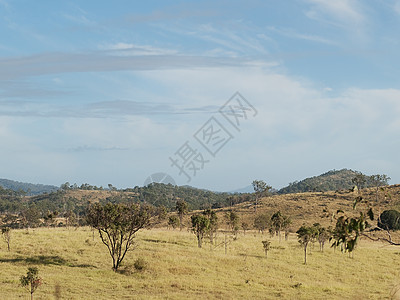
(389, 219)
(140, 264)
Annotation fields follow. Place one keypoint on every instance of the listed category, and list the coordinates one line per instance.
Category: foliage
(232, 219)
(305, 235)
(348, 230)
(261, 222)
(200, 226)
(181, 208)
(279, 222)
(266, 246)
(32, 280)
(213, 223)
(389, 220)
(117, 225)
(260, 189)
(173, 221)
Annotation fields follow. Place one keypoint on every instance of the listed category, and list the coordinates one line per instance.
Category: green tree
(117, 225)
(31, 281)
(200, 226)
(305, 235)
(279, 222)
(261, 222)
(267, 246)
(389, 220)
(260, 189)
(182, 208)
(173, 221)
(213, 223)
(232, 219)
(245, 227)
(348, 230)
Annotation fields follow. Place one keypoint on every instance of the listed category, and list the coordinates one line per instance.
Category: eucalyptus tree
(260, 190)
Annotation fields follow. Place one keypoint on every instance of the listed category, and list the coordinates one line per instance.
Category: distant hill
(247, 189)
(330, 181)
(29, 188)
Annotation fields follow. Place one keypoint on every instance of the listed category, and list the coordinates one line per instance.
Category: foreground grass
(76, 266)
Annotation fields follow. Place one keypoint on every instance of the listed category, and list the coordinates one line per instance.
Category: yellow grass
(76, 267)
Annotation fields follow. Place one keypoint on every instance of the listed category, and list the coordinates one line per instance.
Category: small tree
(261, 222)
(31, 281)
(173, 221)
(260, 189)
(321, 234)
(213, 223)
(245, 227)
(6, 232)
(359, 181)
(117, 225)
(279, 222)
(232, 219)
(182, 209)
(200, 226)
(305, 235)
(267, 246)
(378, 181)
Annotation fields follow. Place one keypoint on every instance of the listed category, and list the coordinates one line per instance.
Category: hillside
(334, 180)
(29, 188)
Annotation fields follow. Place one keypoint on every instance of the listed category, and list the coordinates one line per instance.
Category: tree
(213, 223)
(245, 227)
(261, 222)
(232, 219)
(378, 181)
(279, 222)
(348, 230)
(389, 220)
(267, 246)
(173, 221)
(321, 234)
(117, 225)
(181, 208)
(31, 281)
(200, 226)
(6, 232)
(305, 235)
(260, 189)
(30, 217)
(359, 181)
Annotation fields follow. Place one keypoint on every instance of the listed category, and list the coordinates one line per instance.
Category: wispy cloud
(308, 37)
(103, 109)
(54, 63)
(339, 12)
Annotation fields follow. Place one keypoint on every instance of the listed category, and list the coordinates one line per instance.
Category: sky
(212, 94)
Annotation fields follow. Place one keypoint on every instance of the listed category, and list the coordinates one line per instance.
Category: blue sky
(109, 92)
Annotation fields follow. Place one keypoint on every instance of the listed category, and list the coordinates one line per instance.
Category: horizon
(213, 95)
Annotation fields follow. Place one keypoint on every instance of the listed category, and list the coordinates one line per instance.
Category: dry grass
(76, 267)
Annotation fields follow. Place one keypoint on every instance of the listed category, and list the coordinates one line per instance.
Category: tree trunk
(305, 254)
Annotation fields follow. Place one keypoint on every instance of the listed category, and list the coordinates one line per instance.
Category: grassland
(76, 266)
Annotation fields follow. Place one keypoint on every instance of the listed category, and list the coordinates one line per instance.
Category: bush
(390, 219)
(140, 264)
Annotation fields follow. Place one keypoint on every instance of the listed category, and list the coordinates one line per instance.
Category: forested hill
(330, 181)
(29, 188)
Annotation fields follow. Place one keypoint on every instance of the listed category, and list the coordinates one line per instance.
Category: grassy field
(74, 266)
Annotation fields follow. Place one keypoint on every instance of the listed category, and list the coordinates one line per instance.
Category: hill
(29, 188)
(334, 180)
